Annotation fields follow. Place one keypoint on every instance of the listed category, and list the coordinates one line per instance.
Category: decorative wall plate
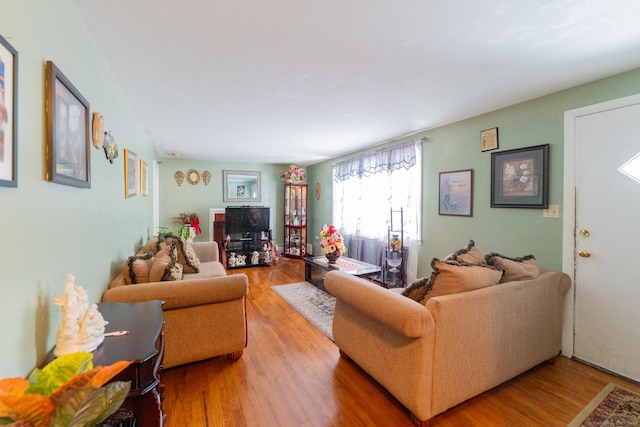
(97, 133)
(110, 147)
(193, 177)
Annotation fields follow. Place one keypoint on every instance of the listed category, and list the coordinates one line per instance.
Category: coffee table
(316, 267)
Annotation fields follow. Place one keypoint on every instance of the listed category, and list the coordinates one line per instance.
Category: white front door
(606, 238)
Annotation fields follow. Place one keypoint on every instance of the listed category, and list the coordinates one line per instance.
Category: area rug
(314, 304)
(613, 406)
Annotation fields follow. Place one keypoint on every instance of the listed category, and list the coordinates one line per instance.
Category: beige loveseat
(204, 313)
(432, 357)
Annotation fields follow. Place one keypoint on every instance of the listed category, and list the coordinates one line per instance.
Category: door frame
(569, 205)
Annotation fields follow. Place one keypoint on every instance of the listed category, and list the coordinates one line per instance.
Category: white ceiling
(300, 81)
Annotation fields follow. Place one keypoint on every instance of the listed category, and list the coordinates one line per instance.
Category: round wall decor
(193, 177)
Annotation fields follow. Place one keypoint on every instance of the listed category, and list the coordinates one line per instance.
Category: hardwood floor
(291, 374)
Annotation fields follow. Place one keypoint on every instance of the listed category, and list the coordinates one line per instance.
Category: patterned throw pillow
(469, 254)
(452, 277)
(136, 269)
(186, 255)
(166, 266)
(522, 268)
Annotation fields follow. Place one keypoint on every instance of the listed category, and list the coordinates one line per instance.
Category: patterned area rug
(313, 303)
(613, 406)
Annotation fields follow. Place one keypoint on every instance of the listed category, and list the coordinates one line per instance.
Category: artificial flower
(332, 241)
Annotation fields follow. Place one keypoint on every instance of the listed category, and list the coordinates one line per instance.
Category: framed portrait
(131, 174)
(67, 117)
(520, 178)
(240, 190)
(8, 115)
(489, 139)
(456, 193)
(144, 178)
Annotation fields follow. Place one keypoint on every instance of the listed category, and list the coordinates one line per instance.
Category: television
(245, 219)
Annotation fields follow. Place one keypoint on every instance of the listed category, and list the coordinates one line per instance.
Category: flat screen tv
(245, 219)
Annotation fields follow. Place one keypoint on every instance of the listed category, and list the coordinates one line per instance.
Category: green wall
(513, 232)
(49, 229)
(200, 198)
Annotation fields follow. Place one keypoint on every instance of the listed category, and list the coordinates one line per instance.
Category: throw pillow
(417, 289)
(186, 255)
(469, 254)
(522, 268)
(166, 266)
(151, 247)
(136, 269)
(450, 277)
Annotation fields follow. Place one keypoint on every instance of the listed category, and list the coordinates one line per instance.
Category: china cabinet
(295, 220)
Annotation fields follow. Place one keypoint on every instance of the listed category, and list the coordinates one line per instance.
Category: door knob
(584, 232)
(584, 253)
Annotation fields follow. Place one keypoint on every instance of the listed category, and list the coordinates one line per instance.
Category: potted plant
(69, 391)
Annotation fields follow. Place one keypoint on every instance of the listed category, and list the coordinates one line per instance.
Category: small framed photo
(240, 191)
(489, 139)
(131, 174)
(456, 193)
(144, 178)
(67, 117)
(8, 115)
(520, 178)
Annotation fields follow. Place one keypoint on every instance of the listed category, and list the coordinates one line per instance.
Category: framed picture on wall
(456, 193)
(144, 178)
(131, 174)
(67, 117)
(520, 178)
(489, 139)
(8, 115)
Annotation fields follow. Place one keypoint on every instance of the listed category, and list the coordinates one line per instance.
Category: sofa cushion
(469, 254)
(522, 268)
(166, 266)
(136, 269)
(186, 255)
(450, 277)
(417, 289)
(151, 247)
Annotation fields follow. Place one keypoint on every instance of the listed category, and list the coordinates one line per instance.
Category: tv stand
(254, 246)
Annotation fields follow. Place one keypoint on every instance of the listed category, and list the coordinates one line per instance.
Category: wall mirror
(240, 186)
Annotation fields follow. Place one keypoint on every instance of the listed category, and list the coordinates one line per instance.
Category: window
(366, 188)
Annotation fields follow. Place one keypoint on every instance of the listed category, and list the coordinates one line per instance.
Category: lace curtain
(366, 188)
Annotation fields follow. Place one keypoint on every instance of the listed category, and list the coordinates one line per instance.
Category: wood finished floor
(291, 374)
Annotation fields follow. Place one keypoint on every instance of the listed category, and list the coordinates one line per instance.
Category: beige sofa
(204, 313)
(434, 357)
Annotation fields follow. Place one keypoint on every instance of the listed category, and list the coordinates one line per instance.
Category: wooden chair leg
(235, 355)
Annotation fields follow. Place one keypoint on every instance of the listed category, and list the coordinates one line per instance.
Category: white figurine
(82, 326)
(241, 260)
(254, 257)
(232, 260)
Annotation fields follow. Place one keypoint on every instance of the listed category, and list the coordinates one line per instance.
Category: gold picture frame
(144, 178)
(131, 174)
(489, 139)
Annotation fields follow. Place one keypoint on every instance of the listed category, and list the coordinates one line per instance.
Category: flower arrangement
(293, 174)
(187, 221)
(69, 391)
(332, 241)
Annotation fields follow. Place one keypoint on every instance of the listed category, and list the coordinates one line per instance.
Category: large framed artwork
(456, 193)
(8, 115)
(520, 178)
(67, 116)
(131, 174)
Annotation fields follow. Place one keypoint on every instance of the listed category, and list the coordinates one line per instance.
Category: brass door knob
(584, 253)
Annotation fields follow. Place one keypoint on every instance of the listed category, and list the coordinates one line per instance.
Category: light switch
(553, 211)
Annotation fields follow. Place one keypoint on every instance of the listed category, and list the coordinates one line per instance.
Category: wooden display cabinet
(295, 220)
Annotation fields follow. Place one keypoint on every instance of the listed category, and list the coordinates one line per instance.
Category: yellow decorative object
(179, 177)
(193, 177)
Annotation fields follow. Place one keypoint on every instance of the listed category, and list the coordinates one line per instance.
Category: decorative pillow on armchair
(166, 266)
(469, 254)
(522, 268)
(136, 269)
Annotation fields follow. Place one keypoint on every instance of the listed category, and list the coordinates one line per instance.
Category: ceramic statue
(81, 327)
(241, 260)
(255, 256)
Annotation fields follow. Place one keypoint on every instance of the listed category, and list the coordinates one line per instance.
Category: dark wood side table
(144, 345)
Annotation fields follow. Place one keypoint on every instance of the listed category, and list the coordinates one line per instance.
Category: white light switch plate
(553, 211)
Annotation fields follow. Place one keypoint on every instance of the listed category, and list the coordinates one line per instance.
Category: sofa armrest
(206, 251)
(399, 313)
(183, 293)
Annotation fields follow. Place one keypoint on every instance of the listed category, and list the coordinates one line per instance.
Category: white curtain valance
(385, 160)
